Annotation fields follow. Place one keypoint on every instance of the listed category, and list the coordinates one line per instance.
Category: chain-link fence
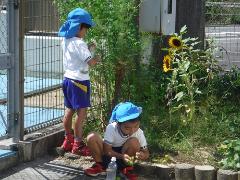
(223, 25)
(3, 72)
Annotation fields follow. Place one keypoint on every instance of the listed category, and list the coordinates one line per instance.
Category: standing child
(123, 139)
(76, 85)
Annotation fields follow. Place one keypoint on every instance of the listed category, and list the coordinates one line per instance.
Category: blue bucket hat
(75, 18)
(125, 111)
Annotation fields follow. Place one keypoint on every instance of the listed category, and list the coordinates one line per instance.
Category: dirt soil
(198, 156)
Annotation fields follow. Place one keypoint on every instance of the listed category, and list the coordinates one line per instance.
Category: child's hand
(140, 155)
(98, 58)
(126, 158)
(129, 160)
(132, 161)
(92, 46)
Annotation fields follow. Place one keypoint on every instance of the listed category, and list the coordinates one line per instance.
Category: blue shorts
(76, 93)
(107, 159)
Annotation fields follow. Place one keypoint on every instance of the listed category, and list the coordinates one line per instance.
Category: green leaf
(164, 49)
(198, 92)
(177, 108)
(238, 165)
(186, 65)
(179, 96)
(236, 157)
(237, 148)
(183, 29)
(238, 142)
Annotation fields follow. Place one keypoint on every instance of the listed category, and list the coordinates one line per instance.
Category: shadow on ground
(47, 167)
(51, 167)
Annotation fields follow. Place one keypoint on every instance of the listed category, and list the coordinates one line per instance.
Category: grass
(176, 143)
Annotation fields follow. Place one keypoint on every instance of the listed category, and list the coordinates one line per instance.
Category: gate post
(16, 72)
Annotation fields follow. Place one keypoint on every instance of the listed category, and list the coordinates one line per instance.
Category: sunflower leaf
(177, 108)
(198, 91)
(178, 96)
(164, 49)
(186, 65)
(183, 29)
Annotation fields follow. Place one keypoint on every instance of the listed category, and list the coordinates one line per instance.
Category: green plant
(189, 67)
(118, 44)
(231, 152)
(190, 99)
(227, 85)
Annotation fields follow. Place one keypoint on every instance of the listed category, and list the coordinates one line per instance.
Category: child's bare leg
(95, 144)
(67, 120)
(78, 125)
(131, 146)
(79, 147)
(68, 140)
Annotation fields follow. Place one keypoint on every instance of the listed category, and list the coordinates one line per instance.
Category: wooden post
(226, 175)
(204, 173)
(184, 172)
(164, 172)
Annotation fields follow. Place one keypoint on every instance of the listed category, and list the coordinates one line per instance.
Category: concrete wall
(31, 149)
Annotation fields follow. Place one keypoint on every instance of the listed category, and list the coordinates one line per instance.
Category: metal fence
(43, 70)
(223, 25)
(30, 93)
(35, 67)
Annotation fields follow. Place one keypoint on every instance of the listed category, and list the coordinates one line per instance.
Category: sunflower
(166, 63)
(175, 42)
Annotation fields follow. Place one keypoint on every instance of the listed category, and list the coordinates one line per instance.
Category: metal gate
(3, 69)
(11, 74)
(30, 67)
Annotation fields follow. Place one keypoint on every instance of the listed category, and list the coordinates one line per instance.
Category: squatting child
(123, 139)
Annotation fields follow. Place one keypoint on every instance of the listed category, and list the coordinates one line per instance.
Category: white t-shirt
(75, 58)
(114, 137)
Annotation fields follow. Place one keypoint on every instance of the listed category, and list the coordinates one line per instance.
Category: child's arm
(143, 154)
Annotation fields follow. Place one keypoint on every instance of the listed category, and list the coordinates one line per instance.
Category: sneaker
(128, 174)
(66, 146)
(95, 170)
(79, 148)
